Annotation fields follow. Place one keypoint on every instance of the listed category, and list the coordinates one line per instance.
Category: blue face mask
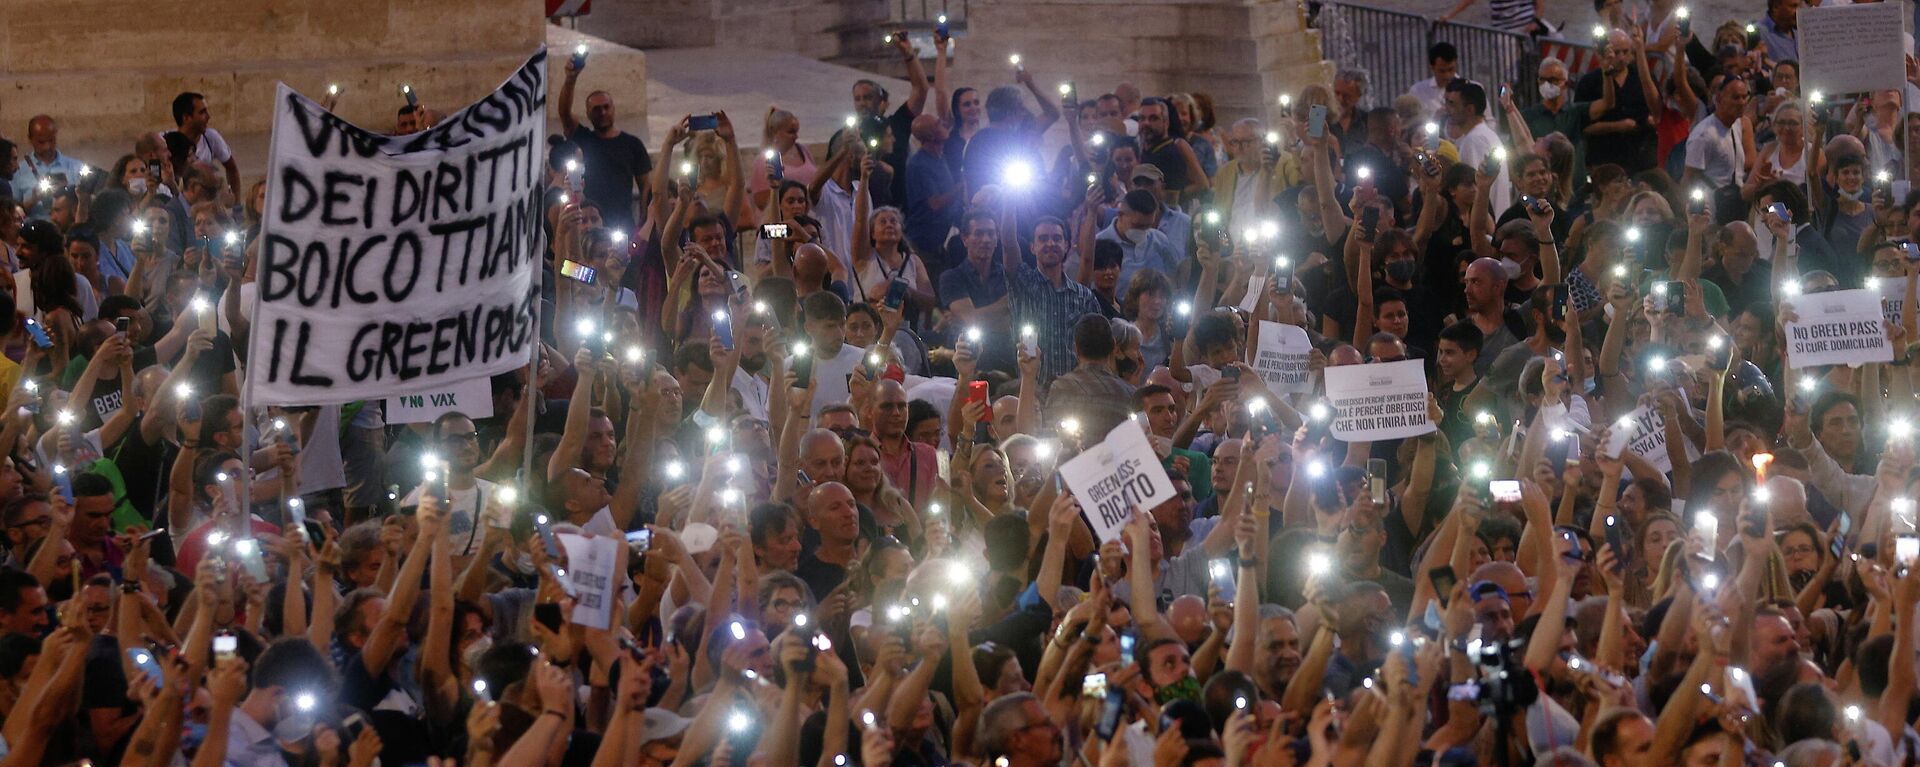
(1591, 384)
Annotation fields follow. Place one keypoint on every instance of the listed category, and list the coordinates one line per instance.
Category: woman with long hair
(1148, 305)
(870, 486)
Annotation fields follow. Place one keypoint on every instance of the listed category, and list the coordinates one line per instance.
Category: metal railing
(927, 13)
(1392, 47)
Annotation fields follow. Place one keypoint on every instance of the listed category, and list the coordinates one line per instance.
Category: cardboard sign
(1384, 400)
(1852, 48)
(1893, 295)
(473, 399)
(1281, 359)
(1842, 327)
(1644, 433)
(593, 563)
(1113, 478)
(396, 265)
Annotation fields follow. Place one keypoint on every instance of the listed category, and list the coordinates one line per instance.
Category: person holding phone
(43, 160)
(882, 256)
(616, 161)
(933, 198)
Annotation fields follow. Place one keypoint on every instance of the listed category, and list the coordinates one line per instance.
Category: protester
(1320, 452)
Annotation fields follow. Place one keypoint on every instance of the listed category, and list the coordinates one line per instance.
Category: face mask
(138, 185)
(522, 563)
(1401, 271)
(1511, 266)
(1846, 195)
(294, 724)
(1590, 384)
(1549, 91)
(1188, 688)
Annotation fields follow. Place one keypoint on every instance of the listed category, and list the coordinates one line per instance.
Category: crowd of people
(820, 398)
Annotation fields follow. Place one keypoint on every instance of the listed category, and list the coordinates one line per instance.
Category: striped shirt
(1512, 15)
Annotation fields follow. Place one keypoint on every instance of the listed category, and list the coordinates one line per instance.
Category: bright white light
(739, 631)
(541, 519)
(1599, 31)
(1853, 713)
(1397, 638)
(1014, 59)
(1319, 411)
(1483, 418)
(1018, 174)
(1256, 405)
(1269, 229)
(800, 619)
(306, 701)
(1318, 563)
(1716, 341)
(1633, 235)
(1711, 581)
(730, 496)
(1066, 89)
(1028, 331)
(245, 547)
(232, 238)
(1682, 12)
(676, 469)
(1873, 283)
(738, 722)
(1500, 153)
(1818, 97)
(1217, 568)
(1316, 469)
(584, 327)
(939, 602)
(185, 391)
(1482, 470)
(716, 435)
(1043, 450)
(480, 686)
(216, 538)
(1070, 425)
(1273, 137)
(1431, 128)
(333, 89)
(634, 355)
(580, 50)
(973, 335)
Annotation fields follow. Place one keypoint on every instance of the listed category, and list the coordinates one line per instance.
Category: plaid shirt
(1052, 312)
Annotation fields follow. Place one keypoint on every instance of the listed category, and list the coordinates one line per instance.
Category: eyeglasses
(1797, 550)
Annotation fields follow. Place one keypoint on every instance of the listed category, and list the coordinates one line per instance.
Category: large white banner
(1281, 359)
(1115, 477)
(398, 265)
(1383, 400)
(1852, 48)
(1841, 327)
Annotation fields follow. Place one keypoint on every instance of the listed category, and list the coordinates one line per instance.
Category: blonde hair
(776, 118)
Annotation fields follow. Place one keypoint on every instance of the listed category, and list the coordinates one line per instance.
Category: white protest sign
(1281, 359)
(592, 563)
(1115, 477)
(1852, 48)
(1384, 400)
(1841, 327)
(395, 265)
(1893, 294)
(1644, 433)
(473, 399)
(1255, 284)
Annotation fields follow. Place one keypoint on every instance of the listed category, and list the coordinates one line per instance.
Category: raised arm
(387, 632)
(573, 437)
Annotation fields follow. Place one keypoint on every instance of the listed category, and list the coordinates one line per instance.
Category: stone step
(652, 23)
(1098, 20)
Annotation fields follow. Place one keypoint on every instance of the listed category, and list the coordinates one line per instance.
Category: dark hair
(1473, 95)
(953, 105)
(1786, 193)
(183, 106)
(1006, 542)
(1805, 712)
(112, 306)
(1213, 330)
(1442, 52)
(692, 355)
(504, 665)
(54, 285)
(823, 305)
(1707, 472)
(1464, 334)
(92, 484)
(42, 235)
(768, 518)
(1141, 201)
(920, 410)
(1107, 254)
(213, 416)
(291, 663)
(12, 582)
(15, 649)
(866, 309)
(1174, 128)
(1093, 337)
(1150, 390)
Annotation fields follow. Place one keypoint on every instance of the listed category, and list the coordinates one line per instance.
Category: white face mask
(1511, 267)
(138, 185)
(1549, 91)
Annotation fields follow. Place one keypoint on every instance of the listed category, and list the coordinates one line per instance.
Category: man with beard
(738, 372)
(1044, 299)
(1164, 148)
(616, 161)
(456, 445)
(1163, 417)
(1276, 651)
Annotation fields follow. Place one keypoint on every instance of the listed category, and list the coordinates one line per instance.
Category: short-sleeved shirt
(1051, 311)
(1632, 150)
(212, 148)
(928, 177)
(964, 281)
(1145, 249)
(613, 167)
(1711, 150)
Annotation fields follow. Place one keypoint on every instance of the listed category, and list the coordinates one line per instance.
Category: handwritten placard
(1852, 48)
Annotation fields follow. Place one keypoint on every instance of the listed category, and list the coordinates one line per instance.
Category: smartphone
(802, 369)
(1707, 526)
(253, 562)
(576, 176)
(723, 329)
(143, 659)
(578, 271)
(641, 540)
(1112, 704)
(1559, 310)
(1779, 211)
(413, 100)
(977, 392)
(1317, 121)
(1720, 357)
(121, 325)
(773, 231)
(1490, 165)
(548, 614)
(1617, 540)
(580, 57)
(355, 723)
(153, 172)
(1504, 490)
(1377, 480)
(225, 645)
(63, 482)
(1126, 648)
(39, 334)
(896, 293)
(545, 529)
(1906, 549)
(943, 29)
(703, 122)
(1370, 222)
(1427, 164)
(1443, 581)
(1230, 373)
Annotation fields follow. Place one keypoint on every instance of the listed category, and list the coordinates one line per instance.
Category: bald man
(1623, 135)
(834, 524)
(41, 160)
(822, 456)
(617, 161)
(1746, 280)
(911, 466)
(1487, 309)
(933, 195)
(812, 270)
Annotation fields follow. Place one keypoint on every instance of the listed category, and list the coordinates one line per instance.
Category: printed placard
(1893, 296)
(1281, 359)
(1384, 400)
(473, 399)
(1644, 433)
(592, 562)
(1852, 48)
(1843, 327)
(397, 265)
(1113, 478)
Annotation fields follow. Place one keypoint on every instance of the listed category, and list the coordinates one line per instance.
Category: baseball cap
(1147, 170)
(660, 724)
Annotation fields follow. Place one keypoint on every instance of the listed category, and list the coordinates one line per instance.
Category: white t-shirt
(830, 376)
(211, 148)
(753, 392)
(466, 512)
(1711, 150)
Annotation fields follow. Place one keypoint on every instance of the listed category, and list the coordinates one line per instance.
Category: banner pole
(529, 394)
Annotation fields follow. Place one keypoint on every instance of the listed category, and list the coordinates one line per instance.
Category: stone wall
(116, 74)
